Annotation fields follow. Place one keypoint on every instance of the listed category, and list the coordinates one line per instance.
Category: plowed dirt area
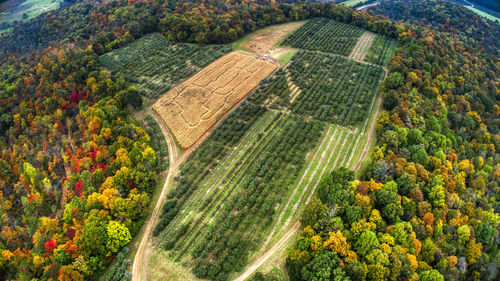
(191, 108)
(264, 40)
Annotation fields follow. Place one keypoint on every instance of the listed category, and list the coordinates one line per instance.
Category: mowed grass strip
(297, 190)
(247, 143)
(249, 136)
(234, 178)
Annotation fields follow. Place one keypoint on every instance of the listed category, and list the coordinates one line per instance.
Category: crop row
(334, 89)
(207, 190)
(381, 50)
(227, 241)
(240, 191)
(275, 92)
(156, 64)
(325, 35)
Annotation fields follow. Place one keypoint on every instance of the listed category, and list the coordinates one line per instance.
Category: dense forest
(425, 208)
(77, 171)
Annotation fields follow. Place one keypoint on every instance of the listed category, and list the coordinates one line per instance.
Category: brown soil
(264, 40)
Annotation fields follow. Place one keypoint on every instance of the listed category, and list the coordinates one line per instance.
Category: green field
(27, 10)
(484, 14)
(259, 168)
(285, 57)
(155, 64)
(352, 2)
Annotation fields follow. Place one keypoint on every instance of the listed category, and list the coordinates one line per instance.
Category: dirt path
(260, 261)
(362, 46)
(371, 134)
(264, 40)
(173, 158)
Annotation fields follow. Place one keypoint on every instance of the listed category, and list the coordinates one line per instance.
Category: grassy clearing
(237, 44)
(352, 2)
(161, 267)
(266, 39)
(284, 58)
(28, 10)
(483, 14)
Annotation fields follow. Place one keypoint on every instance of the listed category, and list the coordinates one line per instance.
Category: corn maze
(192, 107)
(156, 65)
(325, 35)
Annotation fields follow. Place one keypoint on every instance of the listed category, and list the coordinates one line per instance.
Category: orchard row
(325, 35)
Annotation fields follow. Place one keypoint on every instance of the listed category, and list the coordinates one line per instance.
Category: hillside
(188, 140)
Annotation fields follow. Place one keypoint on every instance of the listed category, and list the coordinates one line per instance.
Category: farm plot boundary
(191, 108)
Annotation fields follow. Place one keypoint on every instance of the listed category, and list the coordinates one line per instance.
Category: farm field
(230, 186)
(264, 40)
(156, 65)
(333, 89)
(325, 35)
(381, 50)
(352, 2)
(261, 165)
(13, 10)
(192, 107)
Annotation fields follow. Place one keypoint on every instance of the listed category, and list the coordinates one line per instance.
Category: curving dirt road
(175, 160)
(260, 261)
(173, 164)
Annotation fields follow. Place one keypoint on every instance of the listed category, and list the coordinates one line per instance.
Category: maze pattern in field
(381, 50)
(192, 107)
(325, 35)
(334, 89)
(156, 64)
